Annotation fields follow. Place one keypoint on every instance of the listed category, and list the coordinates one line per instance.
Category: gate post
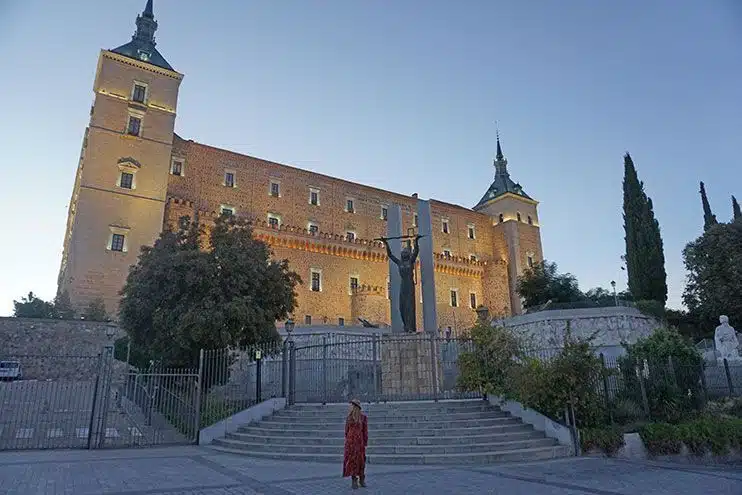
(91, 424)
(434, 365)
(285, 370)
(324, 369)
(375, 344)
(106, 398)
(292, 373)
(199, 391)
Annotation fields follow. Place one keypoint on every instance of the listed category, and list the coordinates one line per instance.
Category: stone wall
(54, 349)
(612, 326)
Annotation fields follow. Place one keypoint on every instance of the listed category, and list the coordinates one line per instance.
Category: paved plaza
(201, 471)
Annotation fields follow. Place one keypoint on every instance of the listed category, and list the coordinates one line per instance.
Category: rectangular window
(454, 298)
(135, 126)
(350, 236)
(177, 168)
(414, 220)
(530, 220)
(530, 261)
(127, 180)
(341, 322)
(139, 94)
(274, 222)
(117, 242)
(307, 319)
(444, 226)
(316, 281)
(471, 232)
(227, 210)
(313, 229)
(350, 206)
(314, 197)
(353, 284)
(473, 300)
(447, 253)
(519, 217)
(472, 257)
(229, 179)
(384, 213)
(275, 189)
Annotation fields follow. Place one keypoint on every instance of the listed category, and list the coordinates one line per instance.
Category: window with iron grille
(316, 281)
(454, 299)
(341, 322)
(127, 180)
(117, 242)
(384, 213)
(177, 168)
(444, 227)
(229, 179)
(313, 197)
(353, 284)
(275, 189)
(471, 232)
(227, 211)
(350, 206)
(473, 300)
(135, 126)
(307, 319)
(273, 222)
(313, 229)
(351, 236)
(139, 94)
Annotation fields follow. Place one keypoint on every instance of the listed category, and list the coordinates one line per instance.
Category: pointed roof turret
(142, 44)
(502, 184)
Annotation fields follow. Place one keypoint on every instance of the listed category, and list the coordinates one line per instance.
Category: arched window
(519, 218)
(502, 218)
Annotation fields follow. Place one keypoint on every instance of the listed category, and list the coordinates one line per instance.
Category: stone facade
(306, 217)
(410, 367)
(612, 326)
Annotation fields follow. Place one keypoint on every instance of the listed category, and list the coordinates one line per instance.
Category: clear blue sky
(403, 95)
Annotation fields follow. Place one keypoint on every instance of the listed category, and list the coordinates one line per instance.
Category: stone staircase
(446, 432)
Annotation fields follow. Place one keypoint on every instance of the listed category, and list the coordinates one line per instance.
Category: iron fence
(377, 368)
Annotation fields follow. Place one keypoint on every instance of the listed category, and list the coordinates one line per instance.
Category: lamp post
(289, 326)
(615, 296)
(288, 368)
(258, 376)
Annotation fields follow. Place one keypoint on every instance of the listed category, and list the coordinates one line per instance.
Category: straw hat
(356, 403)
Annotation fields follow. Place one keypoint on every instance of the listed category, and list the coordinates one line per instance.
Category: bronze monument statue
(406, 265)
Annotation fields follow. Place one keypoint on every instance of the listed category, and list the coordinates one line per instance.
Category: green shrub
(700, 436)
(661, 438)
(489, 367)
(608, 440)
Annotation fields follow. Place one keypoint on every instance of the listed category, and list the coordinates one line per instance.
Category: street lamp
(289, 325)
(110, 331)
(615, 296)
(258, 376)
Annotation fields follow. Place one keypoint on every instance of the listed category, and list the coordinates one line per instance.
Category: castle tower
(514, 216)
(119, 195)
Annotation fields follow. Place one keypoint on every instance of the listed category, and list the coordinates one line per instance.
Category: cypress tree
(709, 218)
(645, 257)
(736, 210)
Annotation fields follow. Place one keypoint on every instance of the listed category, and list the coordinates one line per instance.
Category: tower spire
(499, 156)
(501, 163)
(146, 27)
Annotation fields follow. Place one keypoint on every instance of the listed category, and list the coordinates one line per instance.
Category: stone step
(520, 455)
(405, 431)
(380, 416)
(442, 422)
(387, 449)
(423, 406)
(338, 438)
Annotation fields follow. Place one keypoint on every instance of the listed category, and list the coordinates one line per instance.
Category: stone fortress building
(136, 176)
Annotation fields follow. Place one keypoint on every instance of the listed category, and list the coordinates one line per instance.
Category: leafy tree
(604, 297)
(735, 209)
(96, 310)
(33, 307)
(645, 257)
(542, 283)
(180, 298)
(487, 368)
(63, 306)
(714, 280)
(709, 219)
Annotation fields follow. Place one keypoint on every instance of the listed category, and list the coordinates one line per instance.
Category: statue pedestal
(410, 367)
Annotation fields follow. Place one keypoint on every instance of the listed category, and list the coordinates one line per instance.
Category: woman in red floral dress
(356, 439)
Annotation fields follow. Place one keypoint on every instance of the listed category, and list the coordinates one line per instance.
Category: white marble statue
(726, 341)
